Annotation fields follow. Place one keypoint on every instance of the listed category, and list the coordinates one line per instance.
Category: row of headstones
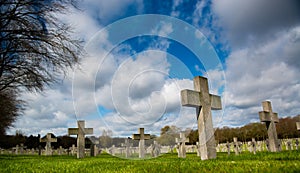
(204, 102)
(253, 146)
(21, 149)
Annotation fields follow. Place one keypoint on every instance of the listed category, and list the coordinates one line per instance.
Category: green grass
(246, 162)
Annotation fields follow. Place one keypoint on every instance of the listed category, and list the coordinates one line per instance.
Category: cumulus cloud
(254, 22)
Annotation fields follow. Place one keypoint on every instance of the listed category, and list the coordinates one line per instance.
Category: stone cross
(181, 145)
(253, 143)
(22, 147)
(48, 141)
(81, 131)
(270, 118)
(16, 149)
(141, 136)
(204, 103)
(236, 145)
(127, 146)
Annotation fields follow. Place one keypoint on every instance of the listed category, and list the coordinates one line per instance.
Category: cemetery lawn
(246, 162)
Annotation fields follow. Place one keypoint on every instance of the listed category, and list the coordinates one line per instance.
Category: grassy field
(246, 162)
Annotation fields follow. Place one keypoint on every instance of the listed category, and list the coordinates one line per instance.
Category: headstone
(16, 149)
(81, 131)
(73, 149)
(141, 137)
(198, 149)
(112, 150)
(155, 149)
(236, 145)
(298, 125)
(48, 141)
(204, 103)
(22, 148)
(60, 150)
(289, 145)
(297, 144)
(253, 144)
(181, 145)
(127, 146)
(94, 150)
(228, 148)
(270, 118)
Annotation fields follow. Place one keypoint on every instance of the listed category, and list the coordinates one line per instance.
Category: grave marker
(48, 141)
(155, 152)
(127, 146)
(204, 103)
(81, 131)
(270, 118)
(298, 125)
(181, 145)
(297, 144)
(141, 137)
(253, 143)
(228, 148)
(236, 145)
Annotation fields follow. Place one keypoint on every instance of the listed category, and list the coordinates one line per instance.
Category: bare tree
(36, 47)
(10, 109)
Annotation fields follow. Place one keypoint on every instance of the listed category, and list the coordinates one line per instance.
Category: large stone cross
(81, 131)
(181, 145)
(204, 103)
(48, 141)
(270, 118)
(141, 136)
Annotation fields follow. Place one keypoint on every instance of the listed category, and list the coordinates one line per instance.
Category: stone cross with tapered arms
(270, 118)
(204, 103)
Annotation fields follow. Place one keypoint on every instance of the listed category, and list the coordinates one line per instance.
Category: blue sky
(140, 54)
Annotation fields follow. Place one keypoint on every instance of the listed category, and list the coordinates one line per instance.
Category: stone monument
(81, 131)
(270, 118)
(141, 136)
(204, 103)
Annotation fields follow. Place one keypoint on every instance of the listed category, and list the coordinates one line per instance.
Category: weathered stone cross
(204, 103)
(141, 136)
(48, 141)
(181, 145)
(270, 118)
(81, 131)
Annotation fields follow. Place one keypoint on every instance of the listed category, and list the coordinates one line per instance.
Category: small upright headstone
(270, 118)
(73, 149)
(60, 150)
(48, 141)
(81, 131)
(112, 150)
(298, 126)
(253, 144)
(141, 136)
(16, 149)
(94, 150)
(181, 145)
(155, 149)
(198, 149)
(236, 145)
(228, 148)
(204, 102)
(289, 145)
(297, 144)
(127, 146)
